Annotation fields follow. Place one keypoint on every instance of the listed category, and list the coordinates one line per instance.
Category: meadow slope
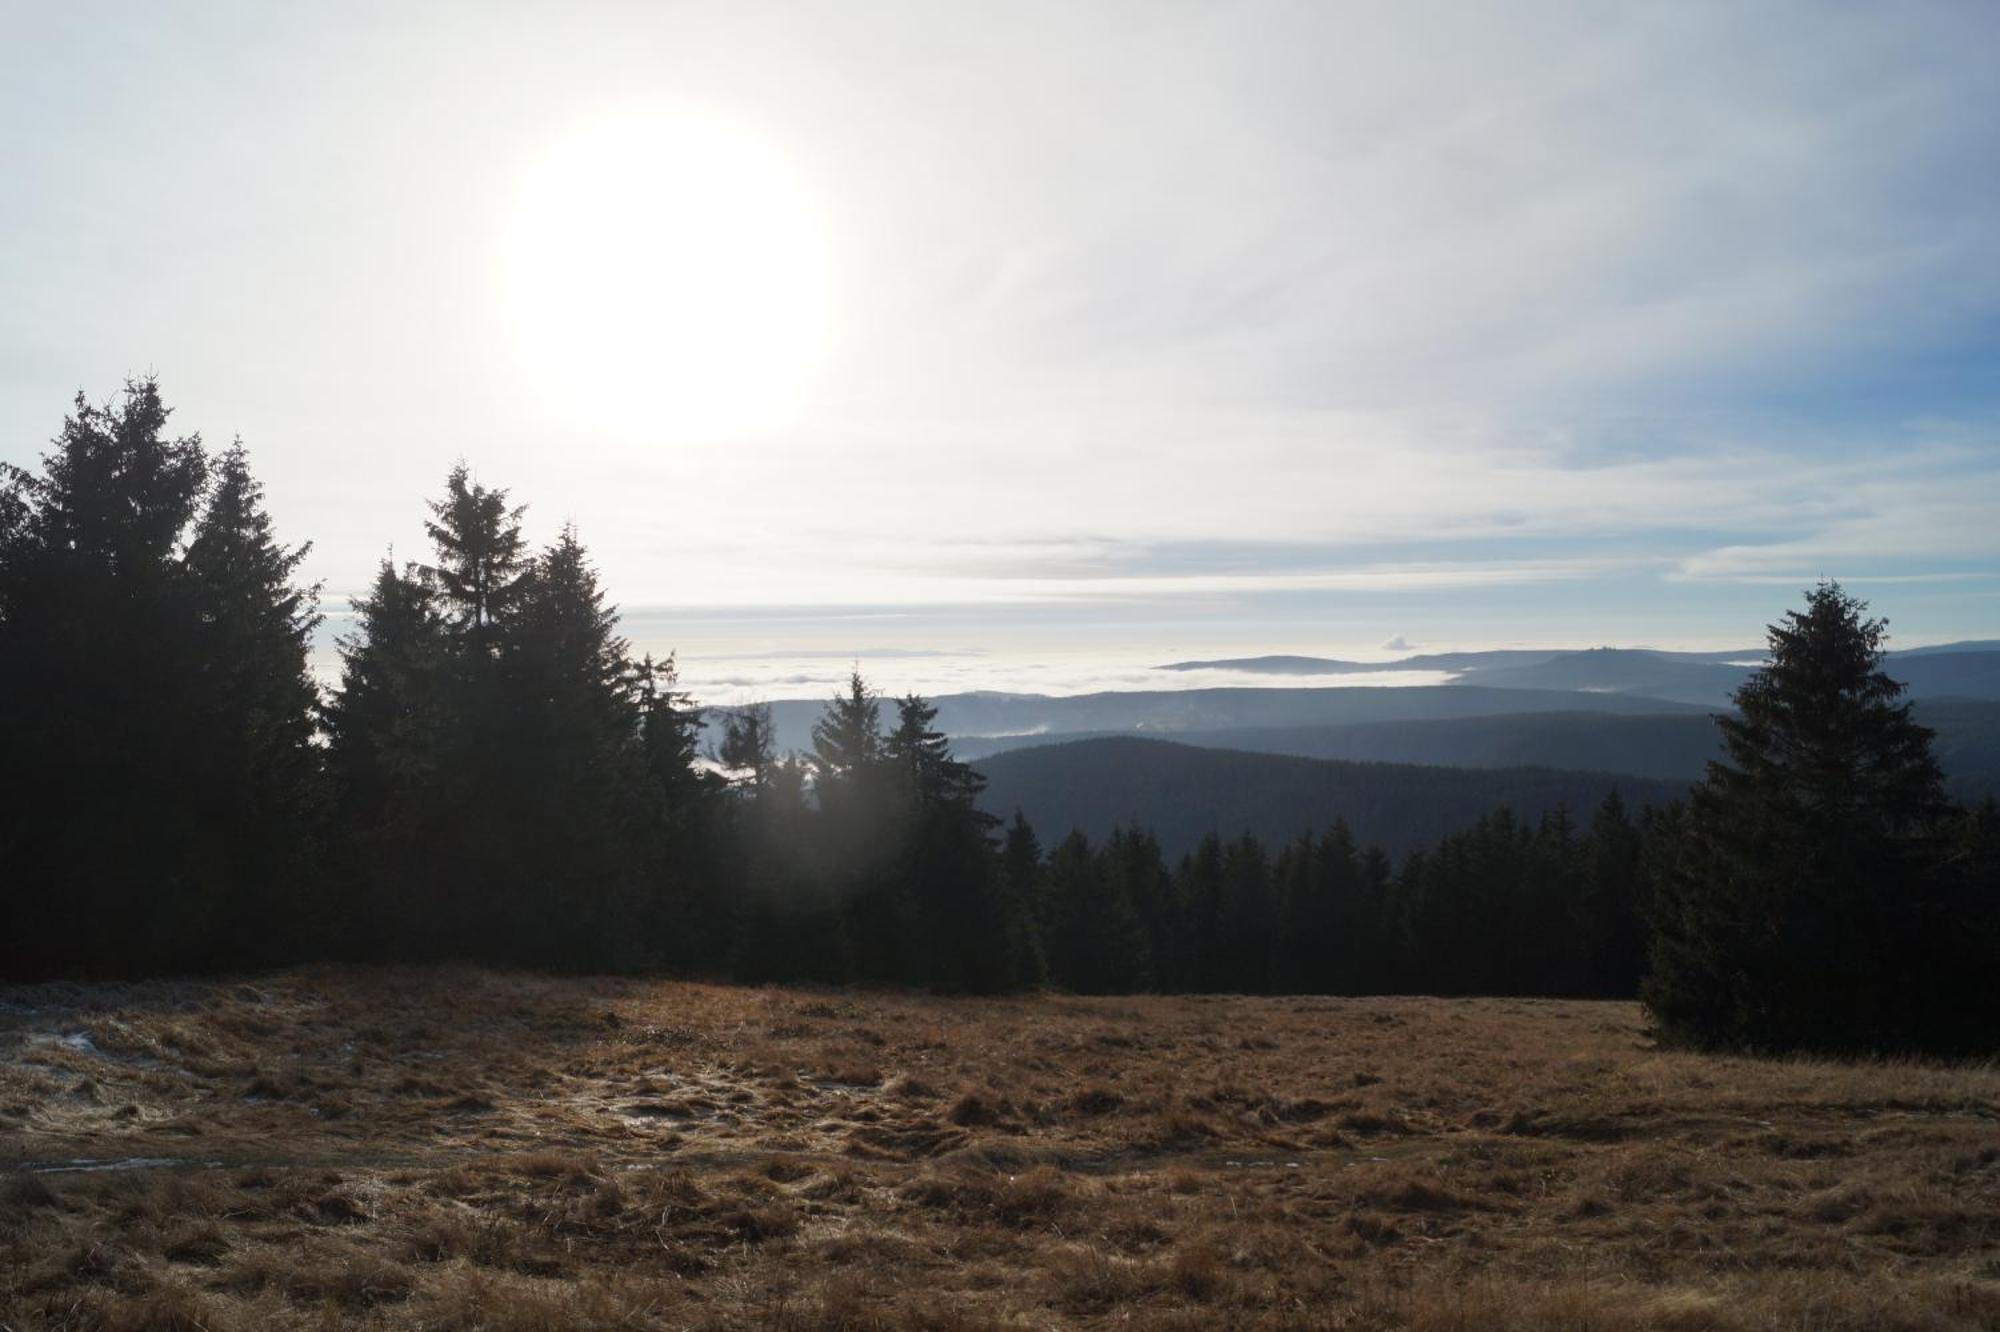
(459, 1149)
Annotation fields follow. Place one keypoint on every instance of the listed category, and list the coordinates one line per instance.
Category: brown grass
(455, 1149)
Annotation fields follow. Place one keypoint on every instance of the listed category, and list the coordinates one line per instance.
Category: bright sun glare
(668, 280)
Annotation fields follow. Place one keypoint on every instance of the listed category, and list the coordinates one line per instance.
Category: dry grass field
(464, 1150)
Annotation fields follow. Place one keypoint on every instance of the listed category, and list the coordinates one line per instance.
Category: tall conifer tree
(847, 739)
(1798, 914)
(97, 661)
(387, 728)
(482, 559)
(259, 760)
(574, 804)
(154, 703)
(749, 746)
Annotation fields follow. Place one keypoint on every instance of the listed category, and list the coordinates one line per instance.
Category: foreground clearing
(468, 1150)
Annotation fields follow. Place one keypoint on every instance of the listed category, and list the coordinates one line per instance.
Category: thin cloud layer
(1298, 325)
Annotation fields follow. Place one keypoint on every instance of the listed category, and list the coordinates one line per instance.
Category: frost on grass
(461, 1149)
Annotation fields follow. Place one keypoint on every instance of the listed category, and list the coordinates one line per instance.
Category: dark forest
(496, 778)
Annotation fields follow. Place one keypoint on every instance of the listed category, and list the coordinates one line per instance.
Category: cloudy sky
(1016, 331)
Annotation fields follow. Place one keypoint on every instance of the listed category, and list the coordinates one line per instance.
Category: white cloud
(1134, 303)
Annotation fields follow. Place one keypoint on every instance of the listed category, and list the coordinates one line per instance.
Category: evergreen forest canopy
(497, 778)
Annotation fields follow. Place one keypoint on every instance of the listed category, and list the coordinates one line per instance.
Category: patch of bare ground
(457, 1149)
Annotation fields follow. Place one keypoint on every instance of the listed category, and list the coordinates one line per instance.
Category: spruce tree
(97, 672)
(1095, 943)
(847, 739)
(516, 787)
(918, 756)
(858, 817)
(259, 759)
(1021, 878)
(387, 728)
(482, 560)
(1249, 924)
(1202, 892)
(1359, 949)
(1611, 903)
(948, 859)
(154, 704)
(749, 745)
(1551, 954)
(670, 727)
(1309, 895)
(569, 806)
(1138, 870)
(1962, 955)
(1800, 912)
(382, 723)
(863, 838)
(451, 855)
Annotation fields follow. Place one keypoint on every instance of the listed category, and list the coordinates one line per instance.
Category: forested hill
(989, 715)
(1674, 746)
(1182, 792)
(1610, 683)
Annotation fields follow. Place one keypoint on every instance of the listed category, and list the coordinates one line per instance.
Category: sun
(667, 277)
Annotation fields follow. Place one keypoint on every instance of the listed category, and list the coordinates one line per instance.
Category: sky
(1035, 343)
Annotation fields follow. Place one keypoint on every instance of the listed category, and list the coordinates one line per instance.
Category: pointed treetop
(115, 488)
(847, 739)
(480, 551)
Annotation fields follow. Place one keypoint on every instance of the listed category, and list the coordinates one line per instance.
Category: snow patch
(84, 1166)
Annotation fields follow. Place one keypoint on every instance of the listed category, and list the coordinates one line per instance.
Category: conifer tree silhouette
(1797, 913)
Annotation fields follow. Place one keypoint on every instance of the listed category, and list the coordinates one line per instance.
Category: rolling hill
(1182, 792)
(1165, 713)
(1949, 675)
(1609, 709)
(992, 716)
(1667, 746)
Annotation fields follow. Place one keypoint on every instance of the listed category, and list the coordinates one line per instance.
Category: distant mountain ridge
(1504, 657)
(1498, 658)
(1948, 649)
(1970, 669)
